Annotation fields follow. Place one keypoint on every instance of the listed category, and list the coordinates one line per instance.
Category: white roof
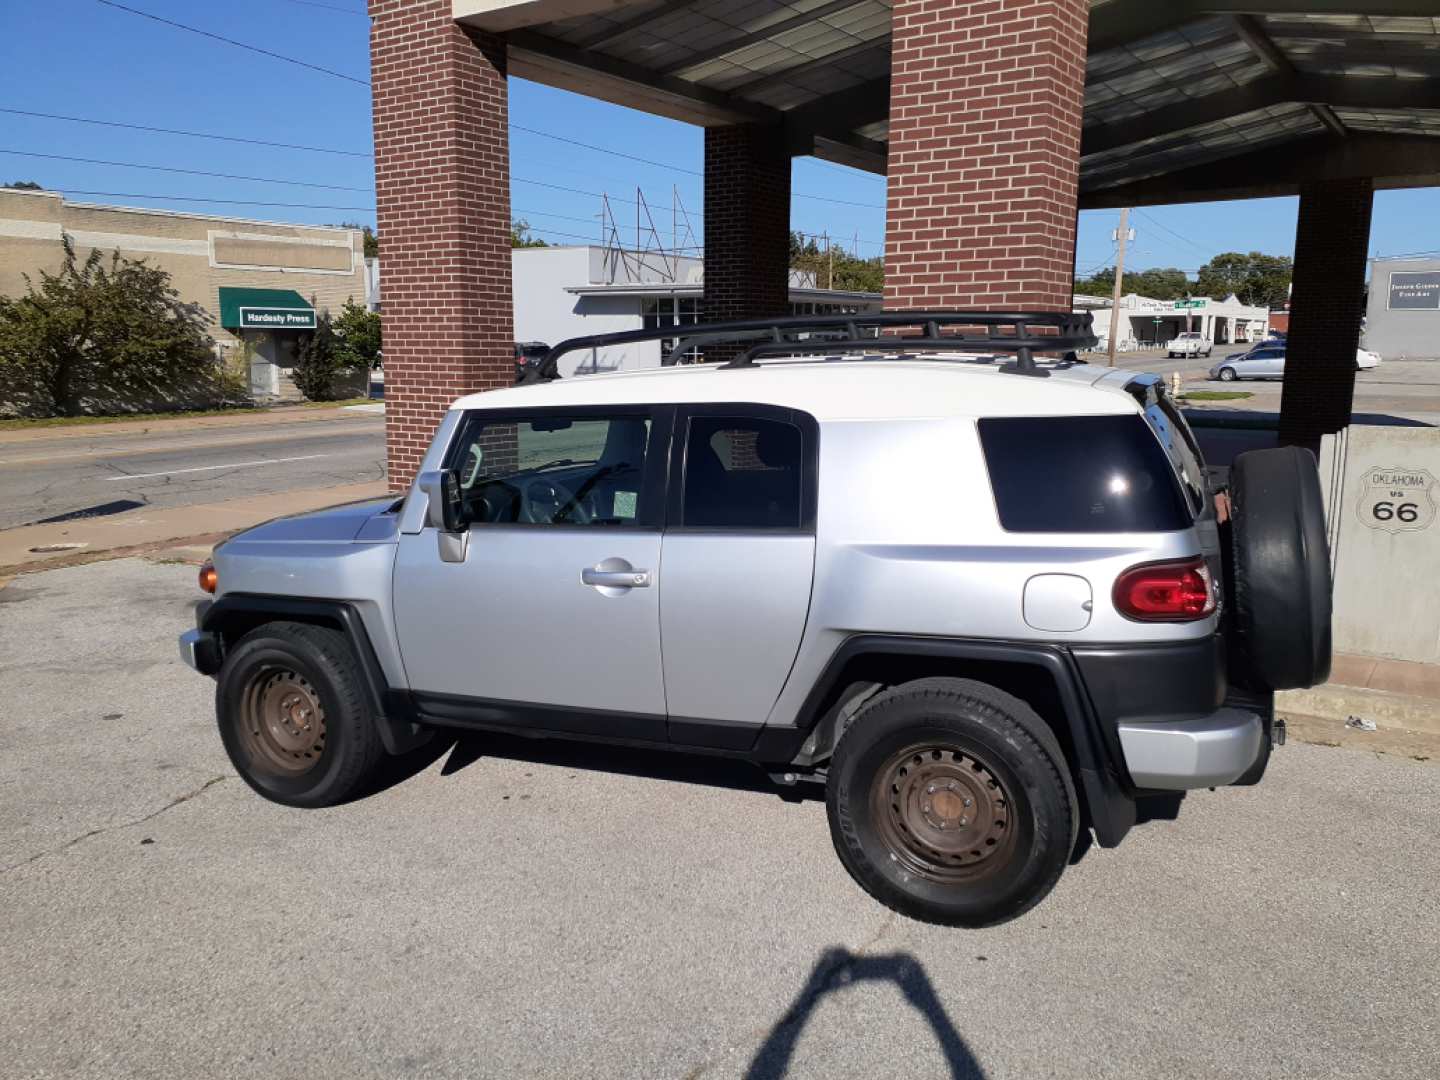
(873, 389)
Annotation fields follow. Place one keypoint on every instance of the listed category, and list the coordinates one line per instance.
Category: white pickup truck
(1189, 344)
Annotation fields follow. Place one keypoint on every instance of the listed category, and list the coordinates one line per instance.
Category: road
(92, 472)
(513, 909)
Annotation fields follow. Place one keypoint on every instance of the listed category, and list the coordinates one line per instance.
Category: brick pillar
(747, 225)
(985, 110)
(1326, 303)
(442, 192)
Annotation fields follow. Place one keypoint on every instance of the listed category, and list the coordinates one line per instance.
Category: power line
(329, 7)
(232, 41)
(173, 169)
(189, 134)
(604, 150)
(1172, 232)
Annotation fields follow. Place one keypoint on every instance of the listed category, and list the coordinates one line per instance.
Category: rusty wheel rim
(282, 722)
(944, 814)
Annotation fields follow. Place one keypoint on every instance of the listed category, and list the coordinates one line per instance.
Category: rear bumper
(1205, 752)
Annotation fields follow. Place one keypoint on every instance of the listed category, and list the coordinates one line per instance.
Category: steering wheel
(549, 503)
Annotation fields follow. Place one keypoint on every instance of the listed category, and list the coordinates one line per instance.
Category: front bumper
(1206, 752)
(201, 651)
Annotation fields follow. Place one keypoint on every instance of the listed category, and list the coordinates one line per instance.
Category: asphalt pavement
(511, 908)
(92, 471)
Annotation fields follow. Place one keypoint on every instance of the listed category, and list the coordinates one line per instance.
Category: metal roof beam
(844, 110)
(1393, 161)
(595, 74)
(1326, 92)
(1253, 34)
(784, 75)
(750, 37)
(1121, 22)
(638, 22)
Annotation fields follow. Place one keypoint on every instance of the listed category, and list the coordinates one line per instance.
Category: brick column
(1326, 303)
(747, 225)
(442, 192)
(985, 110)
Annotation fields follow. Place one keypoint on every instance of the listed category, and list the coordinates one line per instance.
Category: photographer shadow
(838, 969)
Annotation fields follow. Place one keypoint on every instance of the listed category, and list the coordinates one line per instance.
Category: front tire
(293, 715)
(950, 802)
(1227, 374)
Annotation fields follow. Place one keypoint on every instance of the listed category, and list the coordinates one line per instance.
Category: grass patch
(1216, 395)
(185, 414)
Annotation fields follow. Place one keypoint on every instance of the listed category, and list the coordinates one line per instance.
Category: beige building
(257, 279)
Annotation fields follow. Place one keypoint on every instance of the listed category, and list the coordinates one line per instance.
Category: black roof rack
(1007, 332)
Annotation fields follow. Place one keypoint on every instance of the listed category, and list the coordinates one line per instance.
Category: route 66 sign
(1397, 500)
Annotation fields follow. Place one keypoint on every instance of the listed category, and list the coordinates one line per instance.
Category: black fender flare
(235, 614)
(1110, 807)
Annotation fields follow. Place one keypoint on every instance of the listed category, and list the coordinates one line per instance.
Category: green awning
(265, 309)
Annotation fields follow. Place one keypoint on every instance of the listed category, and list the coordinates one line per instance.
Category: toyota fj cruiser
(987, 603)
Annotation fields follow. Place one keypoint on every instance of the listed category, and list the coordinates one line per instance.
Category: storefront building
(1402, 318)
(262, 283)
(1148, 322)
(566, 292)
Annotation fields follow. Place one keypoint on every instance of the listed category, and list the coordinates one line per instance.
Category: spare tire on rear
(1280, 571)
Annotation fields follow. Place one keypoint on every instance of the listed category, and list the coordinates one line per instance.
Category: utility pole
(1121, 235)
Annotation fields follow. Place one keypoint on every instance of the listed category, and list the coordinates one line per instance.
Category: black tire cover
(1280, 569)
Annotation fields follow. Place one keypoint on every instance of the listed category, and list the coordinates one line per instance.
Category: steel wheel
(282, 722)
(943, 814)
(1227, 374)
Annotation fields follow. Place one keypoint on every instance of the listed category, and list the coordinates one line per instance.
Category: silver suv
(987, 600)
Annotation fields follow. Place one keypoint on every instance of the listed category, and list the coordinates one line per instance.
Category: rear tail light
(1179, 591)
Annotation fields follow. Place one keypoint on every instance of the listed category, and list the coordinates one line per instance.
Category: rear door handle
(616, 579)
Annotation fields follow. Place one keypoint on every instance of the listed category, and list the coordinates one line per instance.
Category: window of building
(656, 313)
(742, 473)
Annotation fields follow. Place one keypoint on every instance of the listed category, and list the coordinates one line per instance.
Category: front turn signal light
(209, 579)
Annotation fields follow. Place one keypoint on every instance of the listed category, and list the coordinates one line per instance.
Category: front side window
(554, 469)
(1081, 474)
(743, 473)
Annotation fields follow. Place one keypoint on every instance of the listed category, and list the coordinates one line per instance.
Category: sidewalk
(1402, 700)
(43, 547)
(180, 422)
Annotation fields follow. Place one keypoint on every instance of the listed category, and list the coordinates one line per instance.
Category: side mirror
(446, 499)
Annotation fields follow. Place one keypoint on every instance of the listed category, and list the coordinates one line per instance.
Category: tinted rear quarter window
(1081, 474)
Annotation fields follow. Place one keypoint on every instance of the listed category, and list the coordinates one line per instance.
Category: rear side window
(742, 472)
(1081, 474)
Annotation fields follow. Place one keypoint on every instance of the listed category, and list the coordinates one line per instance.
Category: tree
(358, 330)
(317, 361)
(834, 267)
(1158, 284)
(372, 242)
(102, 330)
(1257, 279)
(24, 185)
(520, 236)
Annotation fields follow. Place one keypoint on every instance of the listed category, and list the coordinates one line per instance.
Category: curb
(1388, 710)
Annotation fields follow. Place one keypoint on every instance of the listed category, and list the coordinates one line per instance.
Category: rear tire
(1280, 578)
(951, 802)
(293, 715)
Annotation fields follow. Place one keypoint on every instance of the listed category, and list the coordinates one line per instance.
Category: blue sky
(84, 58)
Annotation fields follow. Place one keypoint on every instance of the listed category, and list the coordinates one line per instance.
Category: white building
(1151, 322)
(567, 292)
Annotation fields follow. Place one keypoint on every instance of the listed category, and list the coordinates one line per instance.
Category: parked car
(527, 355)
(1267, 361)
(1189, 344)
(981, 607)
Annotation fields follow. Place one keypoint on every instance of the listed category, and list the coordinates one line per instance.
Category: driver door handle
(616, 579)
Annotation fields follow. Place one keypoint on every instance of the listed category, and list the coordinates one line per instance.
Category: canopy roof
(1276, 90)
(272, 309)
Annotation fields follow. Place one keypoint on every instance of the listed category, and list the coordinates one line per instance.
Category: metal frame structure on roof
(1171, 85)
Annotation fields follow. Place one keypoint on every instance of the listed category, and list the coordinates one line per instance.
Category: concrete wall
(1400, 334)
(1382, 493)
(544, 311)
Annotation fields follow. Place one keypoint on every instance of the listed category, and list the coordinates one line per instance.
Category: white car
(1189, 344)
(1267, 361)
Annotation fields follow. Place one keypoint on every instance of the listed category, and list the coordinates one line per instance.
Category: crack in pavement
(122, 825)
